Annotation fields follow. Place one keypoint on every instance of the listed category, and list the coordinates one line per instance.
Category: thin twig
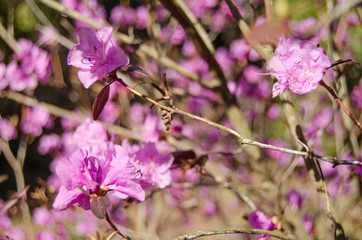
(241, 139)
(244, 28)
(144, 48)
(61, 112)
(115, 228)
(20, 184)
(9, 39)
(235, 230)
(338, 100)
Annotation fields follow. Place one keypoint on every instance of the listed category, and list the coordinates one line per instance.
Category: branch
(244, 28)
(115, 228)
(9, 39)
(61, 112)
(242, 140)
(338, 100)
(203, 44)
(312, 166)
(235, 230)
(20, 185)
(144, 48)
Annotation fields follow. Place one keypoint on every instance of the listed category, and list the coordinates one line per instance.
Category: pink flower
(4, 81)
(308, 223)
(106, 171)
(48, 143)
(295, 199)
(155, 168)
(298, 65)
(18, 80)
(34, 119)
(89, 8)
(261, 221)
(142, 17)
(90, 133)
(239, 49)
(124, 16)
(34, 60)
(356, 95)
(96, 55)
(7, 130)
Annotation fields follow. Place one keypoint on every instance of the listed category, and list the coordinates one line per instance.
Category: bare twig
(9, 39)
(144, 48)
(241, 139)
(115, 228)
(20, 185)
(61, 112)
(235, 230)
(338, 100)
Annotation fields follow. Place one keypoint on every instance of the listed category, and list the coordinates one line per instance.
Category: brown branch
(235, 230)
(115, 228)
(338, 100)
(61, 112)
(203, 44)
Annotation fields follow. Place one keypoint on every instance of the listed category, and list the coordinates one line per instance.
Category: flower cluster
(94, 172)
(298, 65)
(29, 66)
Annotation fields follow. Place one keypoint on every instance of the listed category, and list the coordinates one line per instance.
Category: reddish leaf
(100, 101)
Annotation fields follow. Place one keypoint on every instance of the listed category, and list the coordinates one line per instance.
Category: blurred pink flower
(218, 22)
(18, 80)
(96, 55)
(188, 48)
(178, 35)
(34, 119)
(305, 29)
(7, 130)
(48, 35)
(110, 112)
(43, 217)
(155, 168)
(224, 59)
(89, 8)
(356, 95)
(124, 16)
(308, 223)
(200, 7)
(34, 60)
(298, 65)
(274, 111)
(295, 199)
(4, 81)
(108, 172)
(90, 133)
(239, 49)
(48, 143)
(259, 220)
(142, 17)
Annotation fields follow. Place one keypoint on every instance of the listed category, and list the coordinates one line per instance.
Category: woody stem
(338, 100)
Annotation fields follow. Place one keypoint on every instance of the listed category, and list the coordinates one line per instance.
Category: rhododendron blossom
(96, 55)
(155, 168)
(298, 65)
(261, 221)
(92, 173)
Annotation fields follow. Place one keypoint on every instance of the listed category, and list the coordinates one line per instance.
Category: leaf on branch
(100, 101)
